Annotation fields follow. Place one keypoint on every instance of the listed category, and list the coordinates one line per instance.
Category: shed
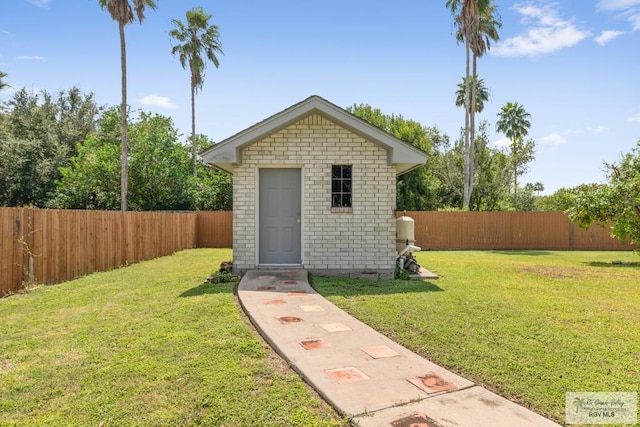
(314, 187)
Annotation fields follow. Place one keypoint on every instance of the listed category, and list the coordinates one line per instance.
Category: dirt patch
(5, 365)
(554, 272)
(68, 359)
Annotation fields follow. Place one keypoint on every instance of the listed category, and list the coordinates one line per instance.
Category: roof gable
(228, 153)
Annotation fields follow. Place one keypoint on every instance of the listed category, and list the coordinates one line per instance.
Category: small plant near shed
(224, 275)
(402, 274)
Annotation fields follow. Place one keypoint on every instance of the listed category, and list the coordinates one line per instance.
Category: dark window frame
(341, 186)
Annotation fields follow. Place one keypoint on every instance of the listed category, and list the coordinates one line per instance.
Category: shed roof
(227, 154)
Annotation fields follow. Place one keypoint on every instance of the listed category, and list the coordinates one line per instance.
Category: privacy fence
(509, 230)
(50, 246)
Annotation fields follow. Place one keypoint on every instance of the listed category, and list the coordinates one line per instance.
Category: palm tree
(196, 39)
(513, 121)
(3, 84)
(488, 24)
(477, 22)
(482, 94)
(121, 11)
(466, 17)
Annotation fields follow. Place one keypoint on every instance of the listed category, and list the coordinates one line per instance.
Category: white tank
(405, 232)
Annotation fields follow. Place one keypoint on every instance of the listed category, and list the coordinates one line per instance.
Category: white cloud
(502, 142)
(561, 138)
(40, 3)
(634, 117)
(617, 4)
(635, 21)
(548, 32)
(564, 137)
(597, 129)
(553, 139)
(608, 35)
(31, 58)
(627, 9)
(156, 101)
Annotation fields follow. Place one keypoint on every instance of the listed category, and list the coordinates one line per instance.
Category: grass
(145, 345)
(530, 325)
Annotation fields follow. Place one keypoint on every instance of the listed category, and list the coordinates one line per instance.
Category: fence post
(26, 240)
(16, 264)
(571, 234)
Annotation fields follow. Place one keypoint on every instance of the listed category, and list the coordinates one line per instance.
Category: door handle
(298, 221)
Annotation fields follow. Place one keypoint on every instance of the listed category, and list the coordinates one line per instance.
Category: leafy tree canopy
(618, 202)
(3, 84)
(210, 189)
(414, 190)
(492, 176)
(158, 169)
(564, 198)
(39, 132)
(160, 172)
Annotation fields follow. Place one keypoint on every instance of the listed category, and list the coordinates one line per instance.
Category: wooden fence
(215, 229)
(509, 230)
(51, 246)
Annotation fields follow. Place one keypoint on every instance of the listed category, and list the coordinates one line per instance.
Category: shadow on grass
(351, 287)
(209, 288)
(522, 252)
(619, 264)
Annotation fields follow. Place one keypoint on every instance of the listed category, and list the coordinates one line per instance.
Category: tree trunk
(466, 195)
(124, 158)
(193, 125)
(515, 181)
(472, 126)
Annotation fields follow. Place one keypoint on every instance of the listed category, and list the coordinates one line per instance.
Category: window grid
(341, 187)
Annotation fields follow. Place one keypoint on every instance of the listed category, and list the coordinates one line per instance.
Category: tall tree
(513, 121)
(196, 41)
(466, 17)
(487, 31)
(122, 12)
(2, 83)
(477, 22)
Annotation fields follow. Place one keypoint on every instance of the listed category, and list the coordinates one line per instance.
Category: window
(341, 186)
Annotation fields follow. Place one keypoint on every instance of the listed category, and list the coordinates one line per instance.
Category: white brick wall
(362, 240)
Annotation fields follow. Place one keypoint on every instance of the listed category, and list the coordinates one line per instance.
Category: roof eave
(228, 153)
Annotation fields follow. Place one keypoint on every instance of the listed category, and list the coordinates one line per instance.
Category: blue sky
(574, 65)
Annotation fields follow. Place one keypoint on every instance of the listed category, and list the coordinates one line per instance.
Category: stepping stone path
(359, 371)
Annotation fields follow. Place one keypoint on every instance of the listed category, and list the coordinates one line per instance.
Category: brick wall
(357, 242)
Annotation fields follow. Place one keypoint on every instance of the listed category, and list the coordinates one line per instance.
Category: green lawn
(150, 345)
(530, 325)
(145, 345)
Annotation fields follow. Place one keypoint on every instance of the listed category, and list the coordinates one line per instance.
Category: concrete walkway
(360, 372)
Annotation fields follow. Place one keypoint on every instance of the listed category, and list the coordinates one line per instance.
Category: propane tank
(405, 232)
